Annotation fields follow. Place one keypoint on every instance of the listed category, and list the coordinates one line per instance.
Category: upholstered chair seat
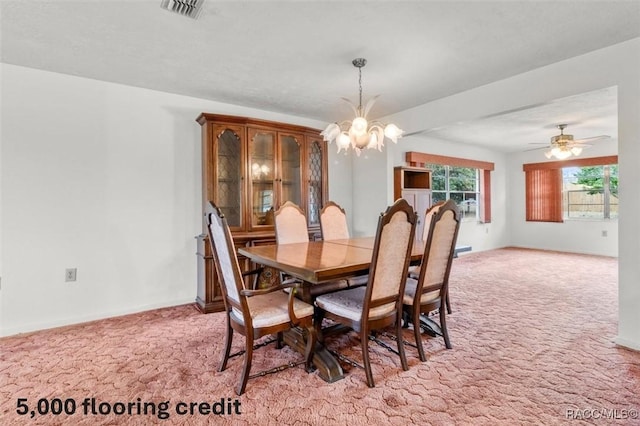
(410, 293)
(271, 309)
(349, 304)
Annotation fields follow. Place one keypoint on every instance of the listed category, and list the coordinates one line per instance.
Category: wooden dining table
(316, 262)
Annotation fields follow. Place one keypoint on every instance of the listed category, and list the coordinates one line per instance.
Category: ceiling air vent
(190, 8)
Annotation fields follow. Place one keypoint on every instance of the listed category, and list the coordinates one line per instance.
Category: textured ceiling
(295, 57)
(586, 115)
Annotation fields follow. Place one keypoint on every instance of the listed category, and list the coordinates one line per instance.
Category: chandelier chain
(360, 85)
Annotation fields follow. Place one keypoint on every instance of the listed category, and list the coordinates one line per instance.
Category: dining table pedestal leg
(328, 367)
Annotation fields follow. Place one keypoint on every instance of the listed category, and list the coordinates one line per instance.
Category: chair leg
(403, 357)
(417, 333)
(406, 319)
(448, 303)
(364, 340)
(443, 327)
(227, 349)
(246, 369)
(279, 340)
(310, 348)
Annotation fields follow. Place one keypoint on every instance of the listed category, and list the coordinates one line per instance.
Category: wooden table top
(319, 261)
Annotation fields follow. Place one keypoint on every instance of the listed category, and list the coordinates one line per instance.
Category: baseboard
(627, 343)
(37, 326)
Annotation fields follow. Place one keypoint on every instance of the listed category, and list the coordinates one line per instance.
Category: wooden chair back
(333, 222)
(439, 249)
(390, 261)
(226, 262)
(427, 218)
(290, 224)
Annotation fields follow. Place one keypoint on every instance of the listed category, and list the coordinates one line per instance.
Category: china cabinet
(249, 168)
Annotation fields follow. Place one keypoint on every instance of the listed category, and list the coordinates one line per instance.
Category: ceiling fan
(564, 146)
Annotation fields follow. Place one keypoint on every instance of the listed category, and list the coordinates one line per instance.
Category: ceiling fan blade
(592, 139)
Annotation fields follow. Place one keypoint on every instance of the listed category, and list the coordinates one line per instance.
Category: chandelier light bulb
(393, 132)
(343, 141)
(359, 126)
(373, 140)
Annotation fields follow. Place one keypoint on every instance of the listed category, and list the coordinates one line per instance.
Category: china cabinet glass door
(290, 169)
(314, 169)
(262, 176)
(229, 175)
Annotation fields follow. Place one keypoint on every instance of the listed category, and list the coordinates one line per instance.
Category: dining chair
(379, 304)
(333, 226)
(253, 313)
(429, 291)
(414, 271)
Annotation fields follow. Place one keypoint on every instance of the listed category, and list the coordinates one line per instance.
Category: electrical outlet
(70, 274)
(604, 233)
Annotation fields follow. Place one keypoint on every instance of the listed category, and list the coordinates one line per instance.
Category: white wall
(617, 65)
(104, 178)
(578, 236)
(370, 189)
(340, 176)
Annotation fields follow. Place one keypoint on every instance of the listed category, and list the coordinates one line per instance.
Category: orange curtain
(544, 195)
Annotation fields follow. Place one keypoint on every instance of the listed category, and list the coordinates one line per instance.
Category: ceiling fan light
(576, 150)
(548, 154)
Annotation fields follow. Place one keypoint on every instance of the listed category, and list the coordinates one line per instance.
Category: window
(466, 181)
(459, 184)
(576, 188)
(590, 192)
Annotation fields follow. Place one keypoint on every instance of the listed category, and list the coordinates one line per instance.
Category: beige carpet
(532, 334)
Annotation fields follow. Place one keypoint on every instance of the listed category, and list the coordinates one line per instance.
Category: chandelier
(359, 133)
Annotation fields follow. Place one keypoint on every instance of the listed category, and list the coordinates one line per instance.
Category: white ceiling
(295, 57)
